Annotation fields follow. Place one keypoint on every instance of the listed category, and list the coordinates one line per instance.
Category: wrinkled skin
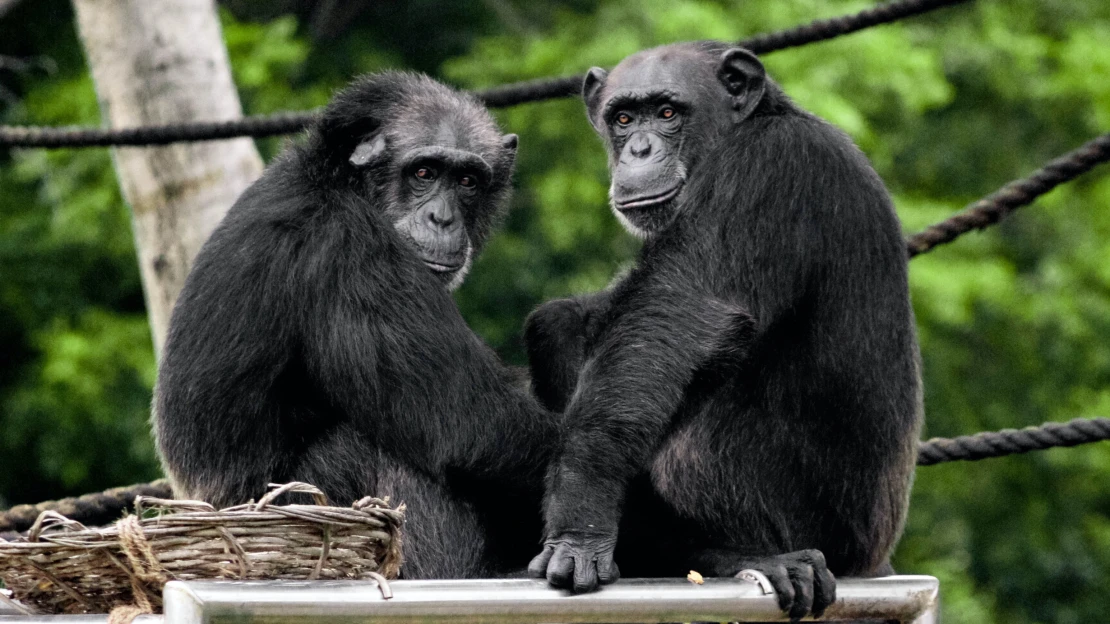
(437, 178)
(658, 114)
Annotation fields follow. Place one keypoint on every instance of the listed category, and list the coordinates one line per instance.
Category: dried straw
(64, 567)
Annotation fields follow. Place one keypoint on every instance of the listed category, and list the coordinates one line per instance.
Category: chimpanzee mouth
(443, 268)
(649, 201)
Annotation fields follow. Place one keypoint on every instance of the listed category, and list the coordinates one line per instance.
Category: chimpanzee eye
(667, 113)
(468, 181)
(624, 119)
(425, 173)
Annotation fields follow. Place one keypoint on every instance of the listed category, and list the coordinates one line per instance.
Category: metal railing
(907, 599)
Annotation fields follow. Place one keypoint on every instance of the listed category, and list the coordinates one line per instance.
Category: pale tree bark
(7, 5)
(160, 62)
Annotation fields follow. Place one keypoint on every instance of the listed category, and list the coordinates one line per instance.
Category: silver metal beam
(4, 619)
(910, 599)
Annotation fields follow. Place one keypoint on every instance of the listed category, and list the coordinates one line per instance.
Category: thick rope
(818, 30)
(1013, 441)
(497, 97)
(76, 136)
(144, 569)
(822, 30)
(92, 509)
(994, 207)
(140, 554)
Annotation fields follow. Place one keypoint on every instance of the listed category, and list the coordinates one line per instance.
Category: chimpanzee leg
(443, 537)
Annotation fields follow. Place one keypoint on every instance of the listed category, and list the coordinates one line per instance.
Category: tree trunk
(160, 62)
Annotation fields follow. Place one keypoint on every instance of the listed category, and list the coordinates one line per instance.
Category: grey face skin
(436, 178)
(645, 110)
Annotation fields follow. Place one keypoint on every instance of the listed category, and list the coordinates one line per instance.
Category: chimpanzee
(751, 388)
(316, 339)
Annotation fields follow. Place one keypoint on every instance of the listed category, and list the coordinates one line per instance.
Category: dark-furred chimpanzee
(316, 339)
(748, 396)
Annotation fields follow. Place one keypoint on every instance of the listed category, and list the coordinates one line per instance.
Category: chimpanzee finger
(585, 572)
(607, 570)
(538, 567)
(560, 570)
(801, 577)
(824, 590)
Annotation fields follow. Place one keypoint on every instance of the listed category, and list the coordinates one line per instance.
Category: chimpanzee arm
(628, 391)
(389, 347)
(216, 421)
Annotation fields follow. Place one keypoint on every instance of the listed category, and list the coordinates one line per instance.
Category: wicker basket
(63, 567)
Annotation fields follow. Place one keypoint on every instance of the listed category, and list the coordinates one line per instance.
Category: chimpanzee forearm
(631, 387)
(474, 418)
(516, 442)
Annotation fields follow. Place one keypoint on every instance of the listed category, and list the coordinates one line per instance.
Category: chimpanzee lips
(443, 268)
(646, 201)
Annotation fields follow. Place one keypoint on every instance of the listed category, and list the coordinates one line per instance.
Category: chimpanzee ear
(591, 92)
(369, 151)
(509, 142)
(744, 78)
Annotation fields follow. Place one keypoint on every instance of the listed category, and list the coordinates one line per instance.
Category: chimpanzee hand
(800, 579)
(577, 562)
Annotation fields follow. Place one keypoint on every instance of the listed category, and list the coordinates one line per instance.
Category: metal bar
(910, 599)
(4, 619)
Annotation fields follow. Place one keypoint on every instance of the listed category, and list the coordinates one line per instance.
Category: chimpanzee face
(437, 180)
(659, 112)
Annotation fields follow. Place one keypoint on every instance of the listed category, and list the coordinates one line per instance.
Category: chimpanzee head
(431, 157)
(659, 112)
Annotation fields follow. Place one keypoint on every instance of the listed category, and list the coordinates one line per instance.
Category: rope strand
(257, 126)
(824, 29)
(994, 207)
(1013, 441)
(88, 509)
(496, 97)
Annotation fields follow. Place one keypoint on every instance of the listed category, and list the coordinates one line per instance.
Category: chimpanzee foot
(801, 580)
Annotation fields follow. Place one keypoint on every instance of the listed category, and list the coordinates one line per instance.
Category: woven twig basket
(63, 567)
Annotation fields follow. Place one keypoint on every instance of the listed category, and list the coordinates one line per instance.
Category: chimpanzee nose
(441, 215)
(640, 146)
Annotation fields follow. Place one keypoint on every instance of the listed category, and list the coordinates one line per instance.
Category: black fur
(311, 343)
(751, 388)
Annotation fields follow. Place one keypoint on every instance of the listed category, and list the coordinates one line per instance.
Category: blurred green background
(1013, 322)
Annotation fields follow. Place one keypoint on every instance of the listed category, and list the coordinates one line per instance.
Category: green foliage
(948, 106)
(78, 367)
(75, 382)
